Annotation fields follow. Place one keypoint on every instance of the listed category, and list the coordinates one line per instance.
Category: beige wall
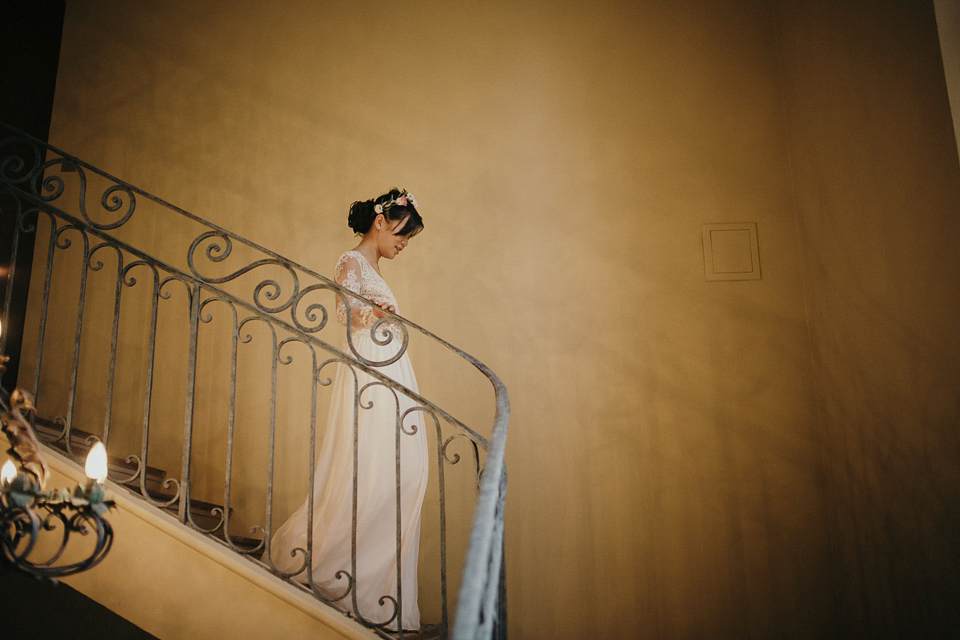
(685, 456)
(878, 198)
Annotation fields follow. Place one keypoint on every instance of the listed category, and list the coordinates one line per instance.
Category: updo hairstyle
(395, 205)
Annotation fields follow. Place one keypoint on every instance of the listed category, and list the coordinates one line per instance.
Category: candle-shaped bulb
(96, 467)
(9, 472)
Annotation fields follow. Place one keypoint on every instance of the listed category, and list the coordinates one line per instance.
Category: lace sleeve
(348, 275)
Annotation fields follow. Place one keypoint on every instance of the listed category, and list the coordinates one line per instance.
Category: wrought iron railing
(204, 360)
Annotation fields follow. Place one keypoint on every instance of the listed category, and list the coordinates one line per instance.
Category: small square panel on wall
(731, 251)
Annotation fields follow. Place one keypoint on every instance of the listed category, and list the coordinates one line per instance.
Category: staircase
(203, 361)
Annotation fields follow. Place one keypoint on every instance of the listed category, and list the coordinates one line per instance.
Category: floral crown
(401, 200)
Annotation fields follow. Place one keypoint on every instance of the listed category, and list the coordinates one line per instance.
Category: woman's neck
(368, 247)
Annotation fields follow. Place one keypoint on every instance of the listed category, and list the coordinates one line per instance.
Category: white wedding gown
(377, 513)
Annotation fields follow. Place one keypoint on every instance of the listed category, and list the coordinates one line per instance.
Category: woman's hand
(378, 311)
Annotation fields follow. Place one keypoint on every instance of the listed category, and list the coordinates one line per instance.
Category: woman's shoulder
(348, 255)
(353, 258)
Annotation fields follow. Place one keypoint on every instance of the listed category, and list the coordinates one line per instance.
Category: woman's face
(389, 243)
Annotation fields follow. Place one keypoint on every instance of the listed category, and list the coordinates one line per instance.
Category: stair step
(49, 432)
(201, 512)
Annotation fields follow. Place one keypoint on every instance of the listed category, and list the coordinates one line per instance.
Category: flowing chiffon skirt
(381, 562)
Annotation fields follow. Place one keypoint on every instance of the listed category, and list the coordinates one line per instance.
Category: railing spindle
(185, 469)
(75, 366)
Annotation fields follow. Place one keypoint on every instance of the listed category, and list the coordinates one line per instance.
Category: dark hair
(364, 212)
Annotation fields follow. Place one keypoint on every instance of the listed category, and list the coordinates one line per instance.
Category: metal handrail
(32, 172)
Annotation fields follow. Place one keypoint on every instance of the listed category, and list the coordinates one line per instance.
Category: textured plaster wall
(878, 200)
(678, 459)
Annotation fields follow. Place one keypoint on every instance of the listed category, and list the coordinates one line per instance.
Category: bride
(363, 514)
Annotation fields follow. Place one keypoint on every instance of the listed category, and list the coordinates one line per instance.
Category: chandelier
(36, 524)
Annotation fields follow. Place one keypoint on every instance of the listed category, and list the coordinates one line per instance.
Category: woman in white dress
(359, 475)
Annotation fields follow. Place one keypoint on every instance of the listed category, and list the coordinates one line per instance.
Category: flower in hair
(407, 198)
(403, 200)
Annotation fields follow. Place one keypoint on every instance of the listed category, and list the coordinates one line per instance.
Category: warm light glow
(96, 467)
(1, 327)
(9, 472)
